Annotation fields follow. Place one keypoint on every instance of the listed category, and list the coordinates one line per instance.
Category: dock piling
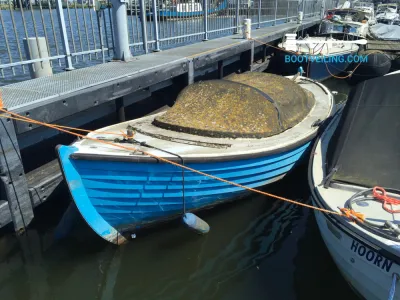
(247, 29)
(37, 48)
(120, 107)
(220, 69)
(120, 22)
(12, 177)
(190, 74)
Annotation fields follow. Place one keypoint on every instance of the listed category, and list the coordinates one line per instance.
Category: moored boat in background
(320, 57)
(345, 21)
(387, 13)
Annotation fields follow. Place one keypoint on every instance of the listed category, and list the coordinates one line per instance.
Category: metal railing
(69, 35)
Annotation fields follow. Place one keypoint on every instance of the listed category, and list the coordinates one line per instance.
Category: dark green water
(258, 248)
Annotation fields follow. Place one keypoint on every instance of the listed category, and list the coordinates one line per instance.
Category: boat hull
(366, 265)
(364, 268)
(117, 197)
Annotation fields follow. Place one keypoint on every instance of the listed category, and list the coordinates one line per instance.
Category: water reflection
(257, 248)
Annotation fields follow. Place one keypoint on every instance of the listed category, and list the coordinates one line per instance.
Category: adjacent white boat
(336, 55)
(387, 13)
(368, 9)
(358, 150)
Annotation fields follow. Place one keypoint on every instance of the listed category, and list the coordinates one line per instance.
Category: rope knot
(352, 215)
(380, 194)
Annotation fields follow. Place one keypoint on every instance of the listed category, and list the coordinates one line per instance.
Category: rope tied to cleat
(352, 215)
(14, 116)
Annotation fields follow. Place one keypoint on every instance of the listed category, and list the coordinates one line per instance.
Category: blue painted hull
(319, 70)
(115, 197)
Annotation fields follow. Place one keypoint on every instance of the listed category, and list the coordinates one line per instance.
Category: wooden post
(120, 107)
(190, 78)
(247, 59)
(12, 177)
(220, 69)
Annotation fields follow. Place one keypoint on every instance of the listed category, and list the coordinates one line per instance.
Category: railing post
(64, 36)
(155, 23)
(322, 9)
(237, 29)
(276, 9)
(120, 22)
(287, 12)
(143, 22)
(259, 14)
(99, 14)
(205, 15)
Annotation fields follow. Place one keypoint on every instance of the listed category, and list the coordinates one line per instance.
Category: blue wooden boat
(188, 10)
(320, 61)
(118, 191)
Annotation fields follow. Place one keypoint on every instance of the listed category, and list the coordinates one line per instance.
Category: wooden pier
(80, 96)
(391, 46)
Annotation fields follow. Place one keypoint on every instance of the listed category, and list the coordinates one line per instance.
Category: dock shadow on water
(258, 248)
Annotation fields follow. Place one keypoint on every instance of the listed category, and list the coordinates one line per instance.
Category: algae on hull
(239, 107)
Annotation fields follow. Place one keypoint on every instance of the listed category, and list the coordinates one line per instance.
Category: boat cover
(385, 32)
(365, 147)
(249, 105)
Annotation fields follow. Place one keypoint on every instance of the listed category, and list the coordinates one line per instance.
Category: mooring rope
(344, 213)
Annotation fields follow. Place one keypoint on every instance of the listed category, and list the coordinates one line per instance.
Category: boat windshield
(386, 8)
(364, 5)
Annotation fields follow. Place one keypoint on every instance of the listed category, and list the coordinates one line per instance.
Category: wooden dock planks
(383, 45)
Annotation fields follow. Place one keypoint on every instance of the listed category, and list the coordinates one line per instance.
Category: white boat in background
(368, 9)
(387, 13)
(346, 165)
(347, 21)
(336, 53)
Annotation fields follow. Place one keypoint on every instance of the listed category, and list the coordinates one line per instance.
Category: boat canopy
(365, 147)
(385, 32)
(249, 105)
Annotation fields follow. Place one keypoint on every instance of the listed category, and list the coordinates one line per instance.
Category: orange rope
(380, 194)
(350, 72)
(64, 127)
(56, 127)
